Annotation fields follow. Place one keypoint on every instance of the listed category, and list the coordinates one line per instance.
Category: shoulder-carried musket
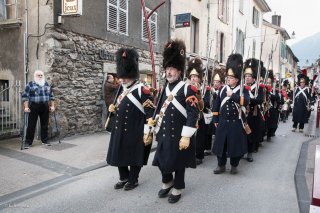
(158, 105)
(114, 103)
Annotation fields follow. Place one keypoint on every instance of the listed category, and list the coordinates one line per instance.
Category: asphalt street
(265, 185)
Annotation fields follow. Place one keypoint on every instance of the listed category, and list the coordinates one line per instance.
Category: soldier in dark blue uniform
(218, 78)
(231, 139)
(134, 105)
(176, 125)
(274, 103)
(301, 100)
(255, 114)
(195, 76)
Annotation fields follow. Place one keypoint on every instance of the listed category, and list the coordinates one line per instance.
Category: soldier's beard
(39, 81)
(172, 78)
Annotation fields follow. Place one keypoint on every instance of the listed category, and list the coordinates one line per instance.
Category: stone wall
(75, 71)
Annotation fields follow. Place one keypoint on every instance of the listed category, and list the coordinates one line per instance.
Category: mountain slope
(307, 49)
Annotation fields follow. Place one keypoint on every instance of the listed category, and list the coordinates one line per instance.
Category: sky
(300, 16)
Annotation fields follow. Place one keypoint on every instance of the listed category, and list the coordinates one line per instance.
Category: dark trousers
(42, 111)
(301, 125)
(178, 181)
(222, 161)
(201, 139)
(271, 132)
(251, 146)
(208, 144)
(131, 175)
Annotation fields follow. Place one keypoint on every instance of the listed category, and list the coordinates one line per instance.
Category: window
(117, 16)
(153, 25)
(194, 45)
(254, 48)
(241, 6)
(223, 10)
(255, 17)
(220, 48)
(240, 42)
(3, 13)
(4, 85)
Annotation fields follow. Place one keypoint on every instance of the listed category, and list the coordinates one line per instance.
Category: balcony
(9, 17)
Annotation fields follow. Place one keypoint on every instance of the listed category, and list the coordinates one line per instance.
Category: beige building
(195, 33)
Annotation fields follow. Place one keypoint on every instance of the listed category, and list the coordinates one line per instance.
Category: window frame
(255, 17)
(3, 10)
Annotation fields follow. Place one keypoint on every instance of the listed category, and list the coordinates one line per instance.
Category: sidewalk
(23, 171)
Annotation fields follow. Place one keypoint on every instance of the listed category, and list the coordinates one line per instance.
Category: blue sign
(183, 20)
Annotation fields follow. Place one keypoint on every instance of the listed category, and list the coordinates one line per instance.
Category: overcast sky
(300, 16)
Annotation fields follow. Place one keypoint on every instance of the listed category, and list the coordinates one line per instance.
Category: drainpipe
(25, 45)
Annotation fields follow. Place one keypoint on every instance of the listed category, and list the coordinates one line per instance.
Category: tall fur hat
(271, 76)
(127, 63)
(174, 55)
(234, 65)
(285, 83)
(195, 67)
(303, 78)
(219, 75)
(251, 66)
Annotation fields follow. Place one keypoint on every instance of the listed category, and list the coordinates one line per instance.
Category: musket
(205, 78)
(114, 103)
(259, 65)
(158, 106)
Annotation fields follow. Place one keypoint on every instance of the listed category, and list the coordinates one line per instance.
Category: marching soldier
(301, 100)
(255, 114)
(134, 105)
(176, 124)
(218, 81)
(194, 73)
(231, 139)
(272, 107)
(285, 92)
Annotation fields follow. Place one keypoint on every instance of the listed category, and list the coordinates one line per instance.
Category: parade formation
(191, 116)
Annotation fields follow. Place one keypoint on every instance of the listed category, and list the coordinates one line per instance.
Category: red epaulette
(261, 86)
(194, 89)
(208, 88)
(269, 88)
(146, 90)
(247, 87)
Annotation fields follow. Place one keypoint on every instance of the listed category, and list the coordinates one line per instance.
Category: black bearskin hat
(285, 83)
(271, 76)
(195, 67)
(303, 78)
(127, 63)
(234, 65)
(174, 55)
(263, 73)
(251, 66)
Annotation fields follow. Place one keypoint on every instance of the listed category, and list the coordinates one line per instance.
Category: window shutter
(123, 17)
(153, 20)
(3, 14)
(224, 48)
(217, 46)
(112, 15)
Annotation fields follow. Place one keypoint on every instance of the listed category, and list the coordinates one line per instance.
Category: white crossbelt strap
(174, 100)
(227, 98)
(136, 102)
(252, 88)
(302, 91)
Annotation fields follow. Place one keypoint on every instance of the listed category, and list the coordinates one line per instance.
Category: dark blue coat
(168, 157)
(230, 129)
(126, 146)
(255, 115)
(300, 112)
(273, 112)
